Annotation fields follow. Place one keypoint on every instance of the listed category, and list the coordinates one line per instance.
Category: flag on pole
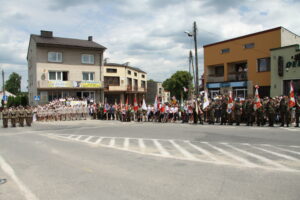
(230, 102)
(257, 103)
(206, 101)
(185, 89)
(155, 103)
(126, 105)
(121, 105)
(135, 105)
(292, 101)
(144, 106)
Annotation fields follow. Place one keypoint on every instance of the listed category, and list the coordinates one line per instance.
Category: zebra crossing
(264, 156)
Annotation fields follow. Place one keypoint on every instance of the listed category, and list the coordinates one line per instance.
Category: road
(87, 160)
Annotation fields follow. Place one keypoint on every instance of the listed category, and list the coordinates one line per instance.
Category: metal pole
(196, 60)
(3, 86)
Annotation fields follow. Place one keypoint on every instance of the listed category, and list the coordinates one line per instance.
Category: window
(58, 76)
(88, 76)
(227, 50)
(143, 75)
(129, 72)
(135, 74)
(112, 81)
(263, 64)
(87, 59)
(143, 84)
(110, 70)
(249, 46)
(219, 71)
(54, 57)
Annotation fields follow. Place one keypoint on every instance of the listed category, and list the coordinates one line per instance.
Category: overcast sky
(147, 33)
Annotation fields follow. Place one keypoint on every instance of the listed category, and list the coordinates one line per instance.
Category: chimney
(48, 34)
(90, 38)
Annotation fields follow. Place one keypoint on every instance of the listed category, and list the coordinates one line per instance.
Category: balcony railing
(215, 78)
(237, 76)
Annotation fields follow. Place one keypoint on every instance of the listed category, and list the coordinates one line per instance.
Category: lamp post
(194, 34)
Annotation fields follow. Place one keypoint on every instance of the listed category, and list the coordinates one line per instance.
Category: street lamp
(194, 34)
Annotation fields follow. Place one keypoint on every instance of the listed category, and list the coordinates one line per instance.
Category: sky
(148, 34)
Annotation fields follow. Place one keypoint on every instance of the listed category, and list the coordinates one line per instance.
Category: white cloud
(147, 33)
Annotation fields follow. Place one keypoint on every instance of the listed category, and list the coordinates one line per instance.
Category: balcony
(114, 88)
(237, 76)
(215, 78)
(48, 84)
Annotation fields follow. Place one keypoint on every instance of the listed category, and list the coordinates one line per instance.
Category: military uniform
(29, 116)
(297, 112)
(249, 113)
(283, 109)
(223, 113)
(237, 113)
(12, 117)
(21, 116)
(5, 116)
(260, 116)
(270, 111)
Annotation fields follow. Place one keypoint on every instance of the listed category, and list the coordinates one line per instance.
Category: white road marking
(112, 142)
(9, 170)
(287, 150)
(142, 144)
(237, 158)
(183, 151)
(161, 149)
(88, 138)
(277, 154)
(203, 151)
(99, 140)
(266, 160)
(126, 143)
(70, 136)
(78, 137)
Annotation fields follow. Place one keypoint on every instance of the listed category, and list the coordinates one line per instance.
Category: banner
(74, 84)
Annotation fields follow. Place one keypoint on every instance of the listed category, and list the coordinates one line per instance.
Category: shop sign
(74, 84)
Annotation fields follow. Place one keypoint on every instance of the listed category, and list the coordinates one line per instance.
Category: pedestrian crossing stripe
(265, 156)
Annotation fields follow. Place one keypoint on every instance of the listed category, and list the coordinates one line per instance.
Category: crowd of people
(221, 110)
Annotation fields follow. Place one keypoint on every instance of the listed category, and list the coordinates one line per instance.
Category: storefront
(285, 67)
(239, 89)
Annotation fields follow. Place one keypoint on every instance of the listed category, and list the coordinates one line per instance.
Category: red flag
(292, 101)
(230, 102)
(126, 106)
(257, 103)
(136, 107)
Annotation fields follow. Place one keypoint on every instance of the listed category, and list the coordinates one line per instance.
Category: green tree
(177, 82)
(13, 84)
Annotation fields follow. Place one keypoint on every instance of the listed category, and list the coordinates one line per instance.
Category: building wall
(32, 78)
(289, 38)
(263, 43)
(293, 73)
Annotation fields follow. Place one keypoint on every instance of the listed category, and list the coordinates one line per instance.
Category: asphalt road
(87, 160)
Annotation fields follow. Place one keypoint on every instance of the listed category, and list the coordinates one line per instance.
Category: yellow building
(238, 64)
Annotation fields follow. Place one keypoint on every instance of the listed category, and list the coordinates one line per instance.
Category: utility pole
(196, 60)
(3, 87)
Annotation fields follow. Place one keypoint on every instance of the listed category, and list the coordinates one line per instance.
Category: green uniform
(223, 113)
(237, 113)
(284, 112)
(297, 112)
(249, 113)
(5, 117)
(270, 111)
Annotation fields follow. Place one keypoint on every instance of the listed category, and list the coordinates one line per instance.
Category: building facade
(240, 63)
(122, 82)
(155, 89)
(285, 67)
(64, 67)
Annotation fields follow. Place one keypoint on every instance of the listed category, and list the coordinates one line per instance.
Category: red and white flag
(185, 89)
(155, 103)
(292, 101)
(135, 105)
(230, 102)
(257, 103)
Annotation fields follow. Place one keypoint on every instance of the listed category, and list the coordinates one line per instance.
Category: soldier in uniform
(270, 111)
(249, 112)
(224, 112)
(283, 109)
(211, 113)
(297, 111)
(260, 116)
(5, 116)
(29, 115)
(12, 116)
(237, 112)
(21, 116)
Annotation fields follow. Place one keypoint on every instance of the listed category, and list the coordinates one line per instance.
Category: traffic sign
(37, 98)
(5, 98)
